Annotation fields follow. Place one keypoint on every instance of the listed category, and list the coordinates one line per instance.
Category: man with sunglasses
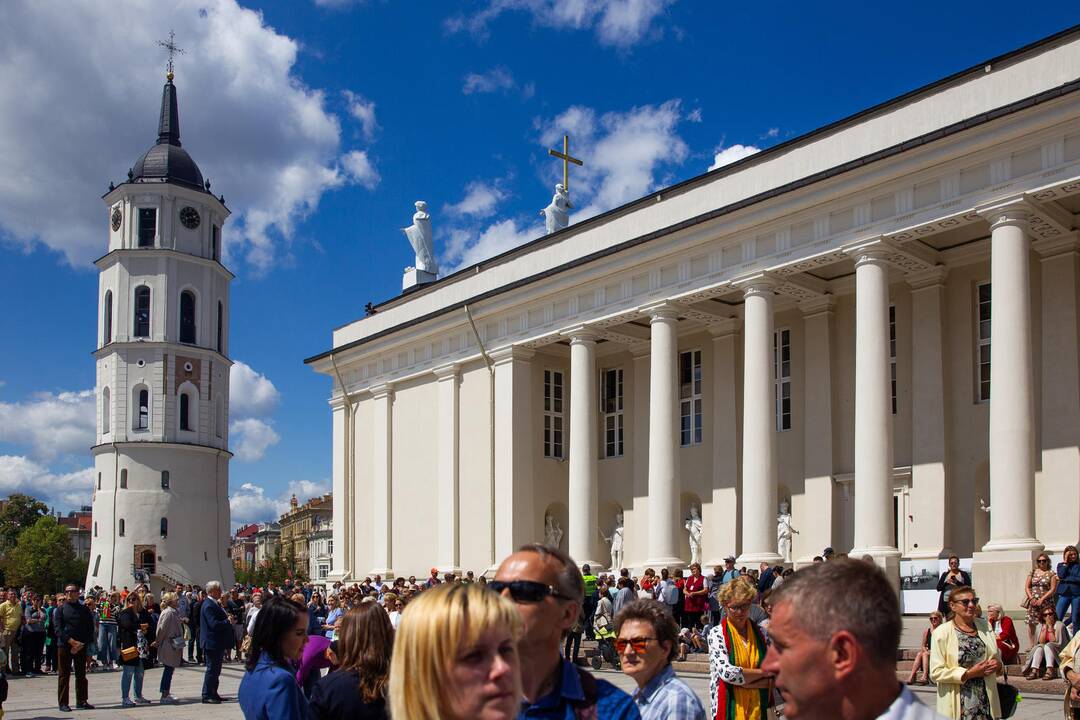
(546, 586)
(647, 641)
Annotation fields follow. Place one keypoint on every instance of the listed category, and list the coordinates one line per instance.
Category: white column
(930, 429)
(873, 412)
(720, 515)
(448, 558)
(341, 565)
(515, 520)
(583, 494)
(663, 423)
(759, 506)
(1012, 403)
(818, 501)
(382, 511)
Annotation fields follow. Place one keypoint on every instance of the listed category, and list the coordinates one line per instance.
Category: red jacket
(1007, 642)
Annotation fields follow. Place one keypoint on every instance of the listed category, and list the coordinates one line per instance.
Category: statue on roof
(419, 235)
(557, 215)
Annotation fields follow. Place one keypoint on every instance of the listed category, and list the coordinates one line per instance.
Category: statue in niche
(419, 235)
(693, 527)
(557, 215)
(553, 532)
(616, 542)
(784, 531)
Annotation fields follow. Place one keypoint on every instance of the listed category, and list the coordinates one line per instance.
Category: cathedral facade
(161, 506)
(876, 322)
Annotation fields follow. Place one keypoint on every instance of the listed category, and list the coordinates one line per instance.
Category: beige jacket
(946, 672)
(1067, 661)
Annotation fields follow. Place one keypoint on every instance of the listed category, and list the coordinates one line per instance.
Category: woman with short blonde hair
(455, 656)
(738, 686)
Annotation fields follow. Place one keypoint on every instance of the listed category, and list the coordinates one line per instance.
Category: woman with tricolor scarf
(739, 688)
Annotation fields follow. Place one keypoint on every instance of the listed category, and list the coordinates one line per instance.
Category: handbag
(1008, 697)
(129, 653)
(178, 642)
(1026, 603)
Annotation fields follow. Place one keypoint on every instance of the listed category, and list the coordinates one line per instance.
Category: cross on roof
(567, 159)
(173, 49)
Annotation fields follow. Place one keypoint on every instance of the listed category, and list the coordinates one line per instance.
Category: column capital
(509, 354)
(873, 250)
(447, 372)
(1011, 211)
(378, 392)
(760, 284)
(724, 327)
(818, 306)
(662, 310)
(932, 278)
(581, 334)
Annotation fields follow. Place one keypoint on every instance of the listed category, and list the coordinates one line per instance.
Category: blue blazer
(215, 632)
(270, 692)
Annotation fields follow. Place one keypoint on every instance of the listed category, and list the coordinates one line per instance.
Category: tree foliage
(276, 570)
(20, 513)
(43, 558)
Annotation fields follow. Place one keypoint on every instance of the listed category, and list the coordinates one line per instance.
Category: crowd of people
(461, 646)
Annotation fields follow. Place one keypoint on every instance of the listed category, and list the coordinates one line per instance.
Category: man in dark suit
(74, 630)
(216, 636)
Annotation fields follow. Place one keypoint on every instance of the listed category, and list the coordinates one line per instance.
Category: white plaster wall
(474, 468)
(415, 471)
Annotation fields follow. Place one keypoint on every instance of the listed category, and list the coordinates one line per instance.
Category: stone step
(1035, 687)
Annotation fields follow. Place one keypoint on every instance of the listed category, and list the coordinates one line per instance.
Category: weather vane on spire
(173, 49)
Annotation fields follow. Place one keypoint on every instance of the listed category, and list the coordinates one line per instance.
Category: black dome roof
(167, 161)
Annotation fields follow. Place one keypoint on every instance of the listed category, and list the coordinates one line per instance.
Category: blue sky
(322, 121)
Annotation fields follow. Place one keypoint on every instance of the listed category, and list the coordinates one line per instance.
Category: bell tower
(161, 493)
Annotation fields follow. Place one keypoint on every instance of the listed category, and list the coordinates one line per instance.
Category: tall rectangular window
(143, 421)
(215, 242)
(782, 378)
(553, 414)
(142, 311)
(892, 354)
(690, 403)
(185, 411)
(983, 346)
(611, 400)
(147, 226)
(164, 479)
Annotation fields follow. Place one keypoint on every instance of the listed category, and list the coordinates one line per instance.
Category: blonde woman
(456, 657)
(964, 662)
(922, 660)
(738, 687)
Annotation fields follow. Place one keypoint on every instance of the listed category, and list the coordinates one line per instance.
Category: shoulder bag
(1008, 697)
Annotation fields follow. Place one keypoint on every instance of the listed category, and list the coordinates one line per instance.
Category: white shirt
(907, 707)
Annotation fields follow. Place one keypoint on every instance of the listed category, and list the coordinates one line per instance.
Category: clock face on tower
(116, 219)
(189, 216)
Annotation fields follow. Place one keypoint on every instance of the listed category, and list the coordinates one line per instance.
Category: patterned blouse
(721, 669)
(974, 702)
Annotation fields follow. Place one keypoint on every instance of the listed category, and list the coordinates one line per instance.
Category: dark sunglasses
(640, 645)
(967, 601)
(525, 590)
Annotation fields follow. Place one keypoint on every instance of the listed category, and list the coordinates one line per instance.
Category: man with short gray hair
(216, 636)
(834, 633)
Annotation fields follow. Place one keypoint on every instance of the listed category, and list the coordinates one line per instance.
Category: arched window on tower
(185, 411)
(141, 420)
(123, 484)
(164, 479)
(220, 328)
(120, 528)
(106, 321)
(164, 527)
(141, 325)
(106, 411)
(187, 317)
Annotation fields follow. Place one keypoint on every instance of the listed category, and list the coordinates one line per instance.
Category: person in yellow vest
(1069, 671)
(11, 617)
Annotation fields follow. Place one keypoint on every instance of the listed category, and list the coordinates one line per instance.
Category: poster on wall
(918, 584)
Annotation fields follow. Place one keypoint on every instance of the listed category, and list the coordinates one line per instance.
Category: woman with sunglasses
(1050, 637)
(1068, 589)
(456, 656)
(964, 662)
(922, 659)
(1039, 589)
(647, 642)
(738, 687)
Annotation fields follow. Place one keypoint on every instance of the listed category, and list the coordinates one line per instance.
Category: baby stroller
(605, 649)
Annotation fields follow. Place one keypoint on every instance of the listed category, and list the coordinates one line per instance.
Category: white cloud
(623, 154)
(251, 394)
(495, 79)
(362, 110)
(250, 503)
(618, 23)
(694, 115)
(771, 133)
(264, 138)
(728, 155)
(479, 201)
(250, 438)
(359, 168)
(62, 491)
(51, 424)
